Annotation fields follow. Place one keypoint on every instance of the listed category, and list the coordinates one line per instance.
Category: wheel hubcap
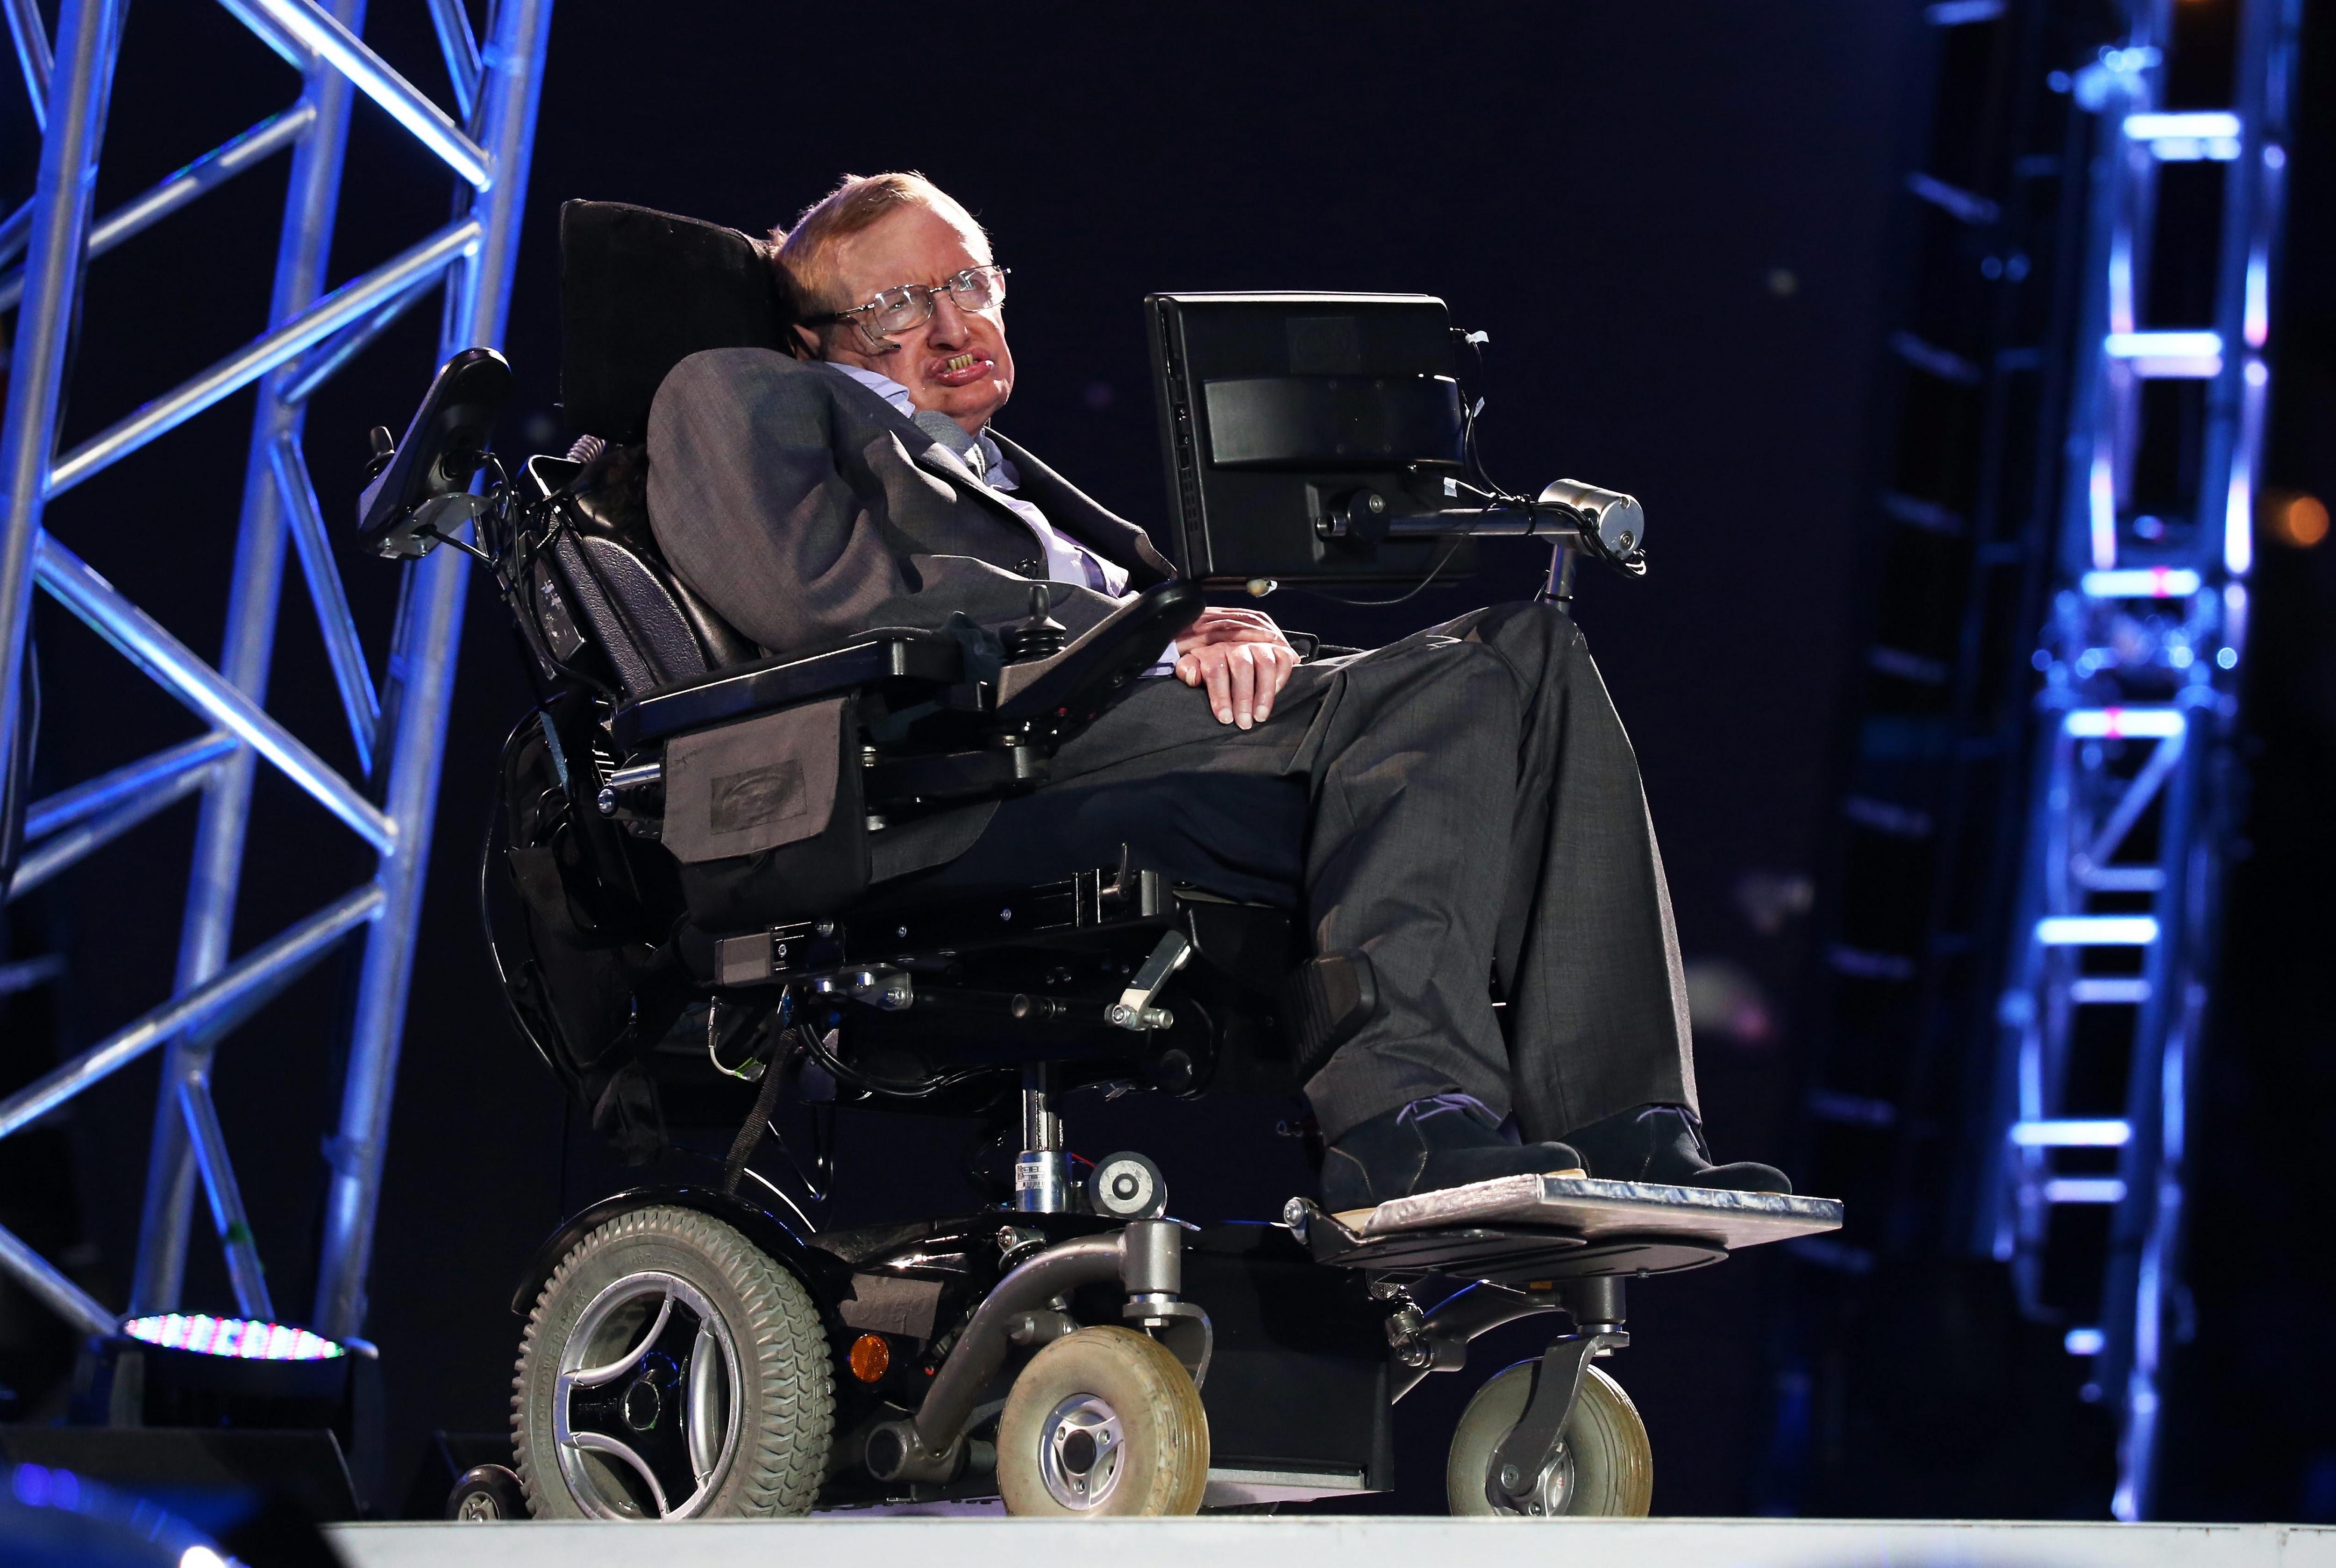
(647, 1405)
(641, 1405)
(1553, 1489)
(1080, 1451)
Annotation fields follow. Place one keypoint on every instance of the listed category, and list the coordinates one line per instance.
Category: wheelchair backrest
(640, 291)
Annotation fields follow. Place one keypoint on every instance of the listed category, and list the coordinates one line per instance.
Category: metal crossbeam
(67, 806)
(212, 169)
(51, 1289)
(397, 728)
(265, 971)
(268, 31)
(460, 47)
(264, 354)
(31, 36)
(172, 664)
(2119, 906)
(320, 31)
(359, 702)
(70, 845)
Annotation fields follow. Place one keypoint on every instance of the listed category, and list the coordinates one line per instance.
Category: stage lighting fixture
(237, 1337)
(194, 1369)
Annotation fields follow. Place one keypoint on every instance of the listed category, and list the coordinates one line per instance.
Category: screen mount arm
(1571, 515)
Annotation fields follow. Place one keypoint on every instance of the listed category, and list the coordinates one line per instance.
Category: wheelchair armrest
(887, 654)
(1102, 659)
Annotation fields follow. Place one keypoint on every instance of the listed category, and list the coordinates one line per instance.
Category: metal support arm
(1438, 1342)
(1567, 512)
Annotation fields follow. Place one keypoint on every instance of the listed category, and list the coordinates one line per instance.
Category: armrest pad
(1102, 659)
(887, 654)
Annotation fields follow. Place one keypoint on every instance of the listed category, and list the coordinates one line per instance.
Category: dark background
(1675, 220)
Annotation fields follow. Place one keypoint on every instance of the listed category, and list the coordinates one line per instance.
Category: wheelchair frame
(1107, 975)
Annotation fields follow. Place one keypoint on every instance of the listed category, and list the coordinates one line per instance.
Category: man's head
(878, 233)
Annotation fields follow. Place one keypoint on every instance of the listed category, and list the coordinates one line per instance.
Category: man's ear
(806, 342)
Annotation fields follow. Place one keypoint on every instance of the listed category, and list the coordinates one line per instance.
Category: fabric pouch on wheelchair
(767, 817)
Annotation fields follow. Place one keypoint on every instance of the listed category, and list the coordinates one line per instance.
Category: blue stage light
(240, 1338)
(54, 1517)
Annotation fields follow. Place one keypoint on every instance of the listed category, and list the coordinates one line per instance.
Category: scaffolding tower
(398, 725)
(2019, 911)
(2110, 958)
(1915, 888)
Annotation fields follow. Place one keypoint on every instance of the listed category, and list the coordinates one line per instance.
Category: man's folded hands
(1241, 657)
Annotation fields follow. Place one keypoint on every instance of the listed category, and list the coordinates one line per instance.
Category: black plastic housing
(1282, 412)
(442, 452)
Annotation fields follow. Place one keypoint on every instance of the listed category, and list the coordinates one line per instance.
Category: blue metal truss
(398, 728)
(2111, 957)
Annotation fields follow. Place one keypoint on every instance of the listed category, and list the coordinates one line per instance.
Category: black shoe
(1664, 1144)
(1424, 1147)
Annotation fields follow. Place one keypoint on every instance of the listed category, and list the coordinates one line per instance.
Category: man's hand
(1243, 658)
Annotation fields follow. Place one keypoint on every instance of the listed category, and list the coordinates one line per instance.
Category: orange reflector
(871, 1358)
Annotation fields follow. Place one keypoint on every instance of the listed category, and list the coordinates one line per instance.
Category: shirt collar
(997, 468)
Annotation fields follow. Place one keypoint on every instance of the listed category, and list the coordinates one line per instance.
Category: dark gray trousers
(1461, 806)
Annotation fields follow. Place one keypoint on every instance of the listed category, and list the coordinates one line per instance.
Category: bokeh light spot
(2299, 520)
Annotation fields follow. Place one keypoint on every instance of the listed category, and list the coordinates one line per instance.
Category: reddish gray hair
(805, 253)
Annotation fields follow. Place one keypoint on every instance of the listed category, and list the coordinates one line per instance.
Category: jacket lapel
(1065, 505)
(1077, 514)
(936, 459)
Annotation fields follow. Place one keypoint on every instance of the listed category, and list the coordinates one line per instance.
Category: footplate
(1530, 1227)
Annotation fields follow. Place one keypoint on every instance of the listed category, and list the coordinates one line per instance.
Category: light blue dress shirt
(1067, 560)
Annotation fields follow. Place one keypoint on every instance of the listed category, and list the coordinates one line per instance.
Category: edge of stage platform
(1334, 1542)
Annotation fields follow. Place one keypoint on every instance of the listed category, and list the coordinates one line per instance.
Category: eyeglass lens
(976, 288)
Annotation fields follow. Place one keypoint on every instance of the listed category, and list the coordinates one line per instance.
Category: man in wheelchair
(877, 764)
(1461, 803)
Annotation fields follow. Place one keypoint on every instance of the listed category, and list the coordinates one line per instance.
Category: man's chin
(978, 403)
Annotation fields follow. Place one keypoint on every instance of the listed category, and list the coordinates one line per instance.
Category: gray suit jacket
(804, 509)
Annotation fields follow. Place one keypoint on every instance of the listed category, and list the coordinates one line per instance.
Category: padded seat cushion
(610, 502)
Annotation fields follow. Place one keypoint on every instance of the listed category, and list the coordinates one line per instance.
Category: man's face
(957, 361)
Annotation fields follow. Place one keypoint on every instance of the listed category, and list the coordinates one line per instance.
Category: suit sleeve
(752, 506)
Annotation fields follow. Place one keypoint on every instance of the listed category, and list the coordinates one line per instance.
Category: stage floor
(1231, 1542)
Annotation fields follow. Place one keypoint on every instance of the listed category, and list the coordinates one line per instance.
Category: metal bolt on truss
(398, 728)
(2112, 954)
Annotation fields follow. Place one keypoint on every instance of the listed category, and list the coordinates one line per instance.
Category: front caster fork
(1437, 1342)
(1146, 1257)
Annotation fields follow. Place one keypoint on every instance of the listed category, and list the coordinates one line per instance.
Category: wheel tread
(1619, 1478)
(1183, 1433)
(784, 1440)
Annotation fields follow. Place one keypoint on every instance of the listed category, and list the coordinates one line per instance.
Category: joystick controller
(1041, 636)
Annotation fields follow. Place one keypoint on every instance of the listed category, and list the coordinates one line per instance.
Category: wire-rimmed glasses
(909, 305)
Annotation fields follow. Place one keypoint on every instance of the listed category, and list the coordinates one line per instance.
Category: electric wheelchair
(696, 898)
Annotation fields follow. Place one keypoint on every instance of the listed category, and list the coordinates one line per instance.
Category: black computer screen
(1279, 412)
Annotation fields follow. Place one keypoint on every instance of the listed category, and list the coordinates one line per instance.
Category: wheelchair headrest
(640, 292)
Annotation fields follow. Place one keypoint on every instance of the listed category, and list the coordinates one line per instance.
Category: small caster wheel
(1604, 1467)
(485, 1493)
(1105, 1421)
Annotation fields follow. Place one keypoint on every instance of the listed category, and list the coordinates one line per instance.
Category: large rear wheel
(671, 1370)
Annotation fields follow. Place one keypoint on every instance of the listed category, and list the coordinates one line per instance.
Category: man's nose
(948, 327)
